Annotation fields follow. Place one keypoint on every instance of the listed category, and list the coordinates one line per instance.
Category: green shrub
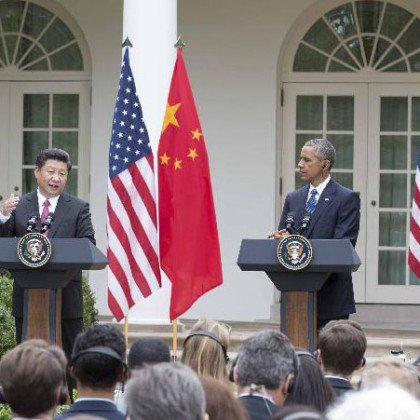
(5, 412)
(90, 313)
(7, 322)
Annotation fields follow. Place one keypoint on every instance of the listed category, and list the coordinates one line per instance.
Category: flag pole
(126, 331)
(174, 338)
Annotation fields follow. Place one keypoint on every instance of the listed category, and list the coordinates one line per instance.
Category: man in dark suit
(334, 214)
(341, 349)
(71, 220)
(97, 364)
(264, 370)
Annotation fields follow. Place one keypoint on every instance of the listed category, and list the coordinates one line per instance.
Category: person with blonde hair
(392, 370)
(205, 349)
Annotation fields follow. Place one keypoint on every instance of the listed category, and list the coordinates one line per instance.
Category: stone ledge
(380, 341)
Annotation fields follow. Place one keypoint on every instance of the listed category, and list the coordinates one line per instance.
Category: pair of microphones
(32, 224)
(304, 224)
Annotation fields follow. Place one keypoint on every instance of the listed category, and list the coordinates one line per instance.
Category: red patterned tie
(45, 211)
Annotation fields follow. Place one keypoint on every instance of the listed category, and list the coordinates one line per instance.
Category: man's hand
(9, 205)
(278, 234)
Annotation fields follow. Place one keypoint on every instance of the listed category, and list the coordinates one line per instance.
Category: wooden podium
(42, 286)
(298, 288)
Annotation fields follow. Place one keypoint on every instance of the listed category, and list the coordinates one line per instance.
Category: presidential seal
(294, 252)
(34, 249)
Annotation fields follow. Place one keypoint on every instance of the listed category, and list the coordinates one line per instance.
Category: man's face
(51, 178)
(311, 168)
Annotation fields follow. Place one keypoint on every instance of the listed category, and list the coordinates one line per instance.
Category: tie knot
(314, 193)
(47, 203)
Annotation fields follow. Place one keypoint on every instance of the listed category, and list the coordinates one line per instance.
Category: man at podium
(71, 219)
(323, 209)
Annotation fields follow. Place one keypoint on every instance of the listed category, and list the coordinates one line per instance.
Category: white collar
(321, 187)
(41, 199)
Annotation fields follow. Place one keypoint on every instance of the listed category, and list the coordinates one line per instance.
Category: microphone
(290, 220)
(305, 222)
(47, 223)
(31, 225)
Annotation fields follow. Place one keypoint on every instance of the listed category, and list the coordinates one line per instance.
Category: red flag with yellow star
(189, 242)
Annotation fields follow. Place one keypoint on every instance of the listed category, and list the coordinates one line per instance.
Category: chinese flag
(189, 243)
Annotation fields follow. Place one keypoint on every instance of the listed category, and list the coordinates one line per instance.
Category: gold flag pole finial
(126, 43)
(179, 43)
(174, 339)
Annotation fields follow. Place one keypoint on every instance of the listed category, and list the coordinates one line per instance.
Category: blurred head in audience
(265, 362)
(220, 402)
(205, 349)
(385, 402)
(297, 412)
(148, 350)
(165, 391)
(310, 388)
(98, 360)
(32, 378)
(342, 345)
(393, 370)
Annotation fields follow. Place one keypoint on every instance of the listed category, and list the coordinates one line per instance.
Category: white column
(151, 27)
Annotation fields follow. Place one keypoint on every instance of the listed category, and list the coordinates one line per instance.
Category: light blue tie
(311, 203)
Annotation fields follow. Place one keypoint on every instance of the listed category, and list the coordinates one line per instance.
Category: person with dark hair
(165, 391)
(97, 364)
(297, 412)
(71, 219)
(342, 345)
(310, 388)
(334, 213)
(263, 373)
(148, 350)
(144, 351)
(220, 402)
(32, 378)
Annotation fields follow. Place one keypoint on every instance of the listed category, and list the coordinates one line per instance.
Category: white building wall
(101, 22)
(232, 56)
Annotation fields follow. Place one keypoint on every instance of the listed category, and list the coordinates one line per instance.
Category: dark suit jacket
(340, 385)
(71, 220)
(103, 409)
(258, 408)
(336, 216)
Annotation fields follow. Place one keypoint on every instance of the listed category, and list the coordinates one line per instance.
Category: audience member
(165, 391)
(144, 351)
(32, 379)
(264, 370)
(342, 345)
(297, 412)
(148, 350)
(385, 402)
(97, 365)
(220, 402)
(205, 349)
(393, 370)
(310, 388)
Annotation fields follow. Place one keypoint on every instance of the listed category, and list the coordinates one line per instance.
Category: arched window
(359, 34)
(33, 38)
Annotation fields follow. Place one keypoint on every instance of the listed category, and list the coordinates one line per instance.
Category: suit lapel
(301, 203)
(60, 213)
(32, 207)
(324, 201)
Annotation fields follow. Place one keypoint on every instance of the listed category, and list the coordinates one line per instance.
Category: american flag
(414, 250)
(132, 229)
